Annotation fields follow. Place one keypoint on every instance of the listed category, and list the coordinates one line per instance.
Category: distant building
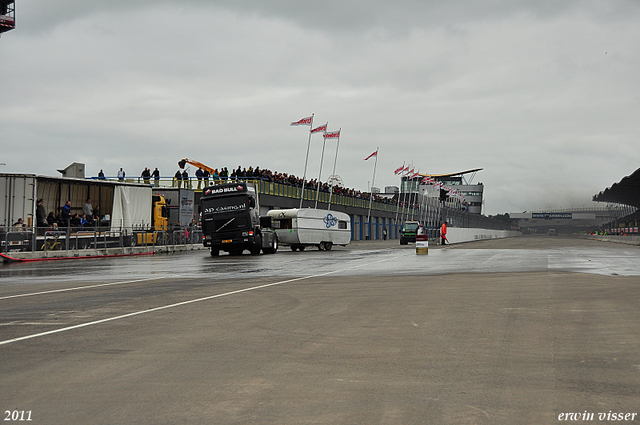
(570, 220)
(472, 195)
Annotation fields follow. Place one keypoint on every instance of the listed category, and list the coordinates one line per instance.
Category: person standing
(185, 179)
(101, 175)
(156, 177)
(121, 174)
(205, 175)
(443, 234)
(41, 214)
(66, 213)
(146, 175)
(177, 179)
(87, 209)
(199, 177)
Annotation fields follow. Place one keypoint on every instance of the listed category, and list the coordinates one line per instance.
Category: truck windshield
(225, 214)
(217, 206)
(410, 227)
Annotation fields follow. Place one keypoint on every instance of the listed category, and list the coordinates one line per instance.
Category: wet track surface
(360, 259)
(501, 331)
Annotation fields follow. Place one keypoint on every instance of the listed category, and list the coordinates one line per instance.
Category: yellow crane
(185, 161)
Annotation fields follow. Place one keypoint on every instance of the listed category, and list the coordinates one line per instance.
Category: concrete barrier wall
(629, 240)
(459, 235)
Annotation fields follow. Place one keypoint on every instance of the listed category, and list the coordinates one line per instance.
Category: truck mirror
(266, 221)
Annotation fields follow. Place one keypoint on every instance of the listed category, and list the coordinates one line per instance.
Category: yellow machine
(159, 221)
(185, 161)
(159, 215)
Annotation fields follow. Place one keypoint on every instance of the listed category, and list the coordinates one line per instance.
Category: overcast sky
(543, 95)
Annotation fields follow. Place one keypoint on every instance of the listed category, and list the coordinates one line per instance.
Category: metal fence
(75, 239)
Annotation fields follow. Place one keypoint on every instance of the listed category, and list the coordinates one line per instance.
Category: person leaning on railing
(19, 225)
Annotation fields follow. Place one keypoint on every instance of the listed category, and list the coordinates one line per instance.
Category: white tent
(131, 207)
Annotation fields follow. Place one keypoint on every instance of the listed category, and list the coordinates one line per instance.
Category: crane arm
(184, 161)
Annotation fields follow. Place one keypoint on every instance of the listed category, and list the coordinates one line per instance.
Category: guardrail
(76, 239)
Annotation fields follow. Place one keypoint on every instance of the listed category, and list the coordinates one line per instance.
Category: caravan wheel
(328, 245)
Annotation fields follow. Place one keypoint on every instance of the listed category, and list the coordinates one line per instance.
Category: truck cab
(231, 221)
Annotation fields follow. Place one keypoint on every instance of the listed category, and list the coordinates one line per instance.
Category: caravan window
(283, 224)
(342, 224)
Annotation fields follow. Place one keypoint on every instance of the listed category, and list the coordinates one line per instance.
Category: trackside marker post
(422, 244)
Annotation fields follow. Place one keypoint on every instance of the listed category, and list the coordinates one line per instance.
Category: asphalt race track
(526, 330)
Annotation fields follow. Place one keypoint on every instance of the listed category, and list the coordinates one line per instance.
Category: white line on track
(164, 307)
(53, 291)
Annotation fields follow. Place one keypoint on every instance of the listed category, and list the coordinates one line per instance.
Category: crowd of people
(243, 173)
(89, 218)
(203, 177)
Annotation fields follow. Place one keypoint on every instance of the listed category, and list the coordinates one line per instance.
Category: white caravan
(300, 228)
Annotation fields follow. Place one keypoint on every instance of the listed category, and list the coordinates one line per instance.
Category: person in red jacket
(443, 233)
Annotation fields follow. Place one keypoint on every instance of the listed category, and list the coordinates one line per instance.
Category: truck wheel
(301, 248)
(257, 245)
(273, 248)
(294, 248)
(215, 252)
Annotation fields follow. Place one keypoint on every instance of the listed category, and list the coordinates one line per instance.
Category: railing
(76, 239)
(430, 211)
(266, 188)
(290, 191)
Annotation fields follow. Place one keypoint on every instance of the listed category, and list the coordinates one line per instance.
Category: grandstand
(627, 194)
(461, 182)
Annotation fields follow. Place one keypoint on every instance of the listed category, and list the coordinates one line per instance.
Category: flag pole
(414, 198)
(304, 176)
(398, 200)
(404, 207)
(334, 168)
(373, 181)
(324, 143)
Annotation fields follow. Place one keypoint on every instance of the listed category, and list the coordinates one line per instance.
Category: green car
(408, 232)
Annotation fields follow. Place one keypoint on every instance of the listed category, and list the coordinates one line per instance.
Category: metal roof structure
(626, 191)
(452, 174)
(461, 174)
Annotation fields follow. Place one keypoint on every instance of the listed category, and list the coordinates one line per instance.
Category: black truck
(231, 221)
